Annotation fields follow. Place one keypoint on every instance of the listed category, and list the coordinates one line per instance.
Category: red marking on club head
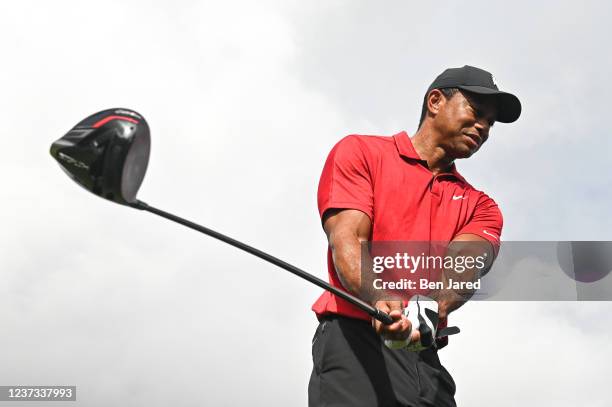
(107, 119)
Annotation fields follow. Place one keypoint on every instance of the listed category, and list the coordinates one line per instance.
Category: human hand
(400, 333)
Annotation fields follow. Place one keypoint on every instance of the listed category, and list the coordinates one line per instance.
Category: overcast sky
(244, 100)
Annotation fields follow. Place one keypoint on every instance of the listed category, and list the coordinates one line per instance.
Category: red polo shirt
(385, 178)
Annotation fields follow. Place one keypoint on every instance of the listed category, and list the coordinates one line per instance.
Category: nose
(483, 126)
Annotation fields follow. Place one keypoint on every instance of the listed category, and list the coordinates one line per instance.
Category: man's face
(464, 120)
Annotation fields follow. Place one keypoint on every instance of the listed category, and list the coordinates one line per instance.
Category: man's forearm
(349, 258)
(347, 262)
(449, 299)
(452, 296)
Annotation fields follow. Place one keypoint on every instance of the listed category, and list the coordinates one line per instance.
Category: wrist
(447, 301)
(443, 309)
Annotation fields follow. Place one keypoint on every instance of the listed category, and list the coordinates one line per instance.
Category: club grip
(382, 317)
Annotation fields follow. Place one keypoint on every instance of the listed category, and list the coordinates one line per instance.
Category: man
(402, 188)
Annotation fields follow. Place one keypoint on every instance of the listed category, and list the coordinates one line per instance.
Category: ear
(435, 101)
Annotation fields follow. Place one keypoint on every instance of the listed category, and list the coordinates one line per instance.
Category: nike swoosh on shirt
(490, 234)
(456, 197)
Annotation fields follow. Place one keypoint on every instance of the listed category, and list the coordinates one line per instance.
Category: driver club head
(107, 154)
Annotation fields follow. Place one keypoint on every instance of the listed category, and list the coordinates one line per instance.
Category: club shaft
(372, 311)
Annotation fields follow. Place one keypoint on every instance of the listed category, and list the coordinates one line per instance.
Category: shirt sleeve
(486, 222)
(346, 181)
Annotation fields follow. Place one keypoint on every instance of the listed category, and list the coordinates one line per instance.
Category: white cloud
(244, 101)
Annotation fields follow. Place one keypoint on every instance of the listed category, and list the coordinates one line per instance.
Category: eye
(477, 112)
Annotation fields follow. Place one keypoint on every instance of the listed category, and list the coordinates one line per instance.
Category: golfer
(402, 188)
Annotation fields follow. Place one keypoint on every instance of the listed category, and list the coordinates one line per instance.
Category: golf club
(107, 154)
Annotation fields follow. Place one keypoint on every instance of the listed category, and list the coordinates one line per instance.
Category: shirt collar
(406, 149)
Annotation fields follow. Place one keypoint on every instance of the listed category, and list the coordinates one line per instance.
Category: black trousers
(353, 367)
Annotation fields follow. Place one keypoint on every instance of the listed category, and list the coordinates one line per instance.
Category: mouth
(475, 139)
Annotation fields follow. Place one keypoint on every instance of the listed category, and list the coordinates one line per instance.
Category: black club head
(107, 154)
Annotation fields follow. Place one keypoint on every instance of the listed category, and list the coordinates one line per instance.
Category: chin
(465, 152)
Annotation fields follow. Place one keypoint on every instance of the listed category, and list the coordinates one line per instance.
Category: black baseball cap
(481, 82)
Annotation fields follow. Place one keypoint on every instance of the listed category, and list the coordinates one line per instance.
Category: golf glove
(422, 312)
